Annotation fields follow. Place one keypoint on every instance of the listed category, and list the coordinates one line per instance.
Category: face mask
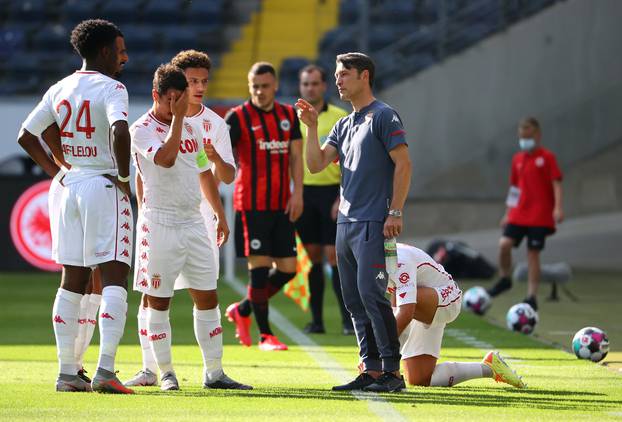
(526, 144)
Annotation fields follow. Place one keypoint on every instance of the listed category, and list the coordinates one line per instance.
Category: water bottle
(390, 256)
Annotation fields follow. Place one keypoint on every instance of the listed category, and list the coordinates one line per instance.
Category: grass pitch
(288, 385)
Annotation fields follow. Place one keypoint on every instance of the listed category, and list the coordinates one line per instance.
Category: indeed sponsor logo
(274, 145)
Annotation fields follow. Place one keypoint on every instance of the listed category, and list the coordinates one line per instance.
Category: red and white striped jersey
(84, 105)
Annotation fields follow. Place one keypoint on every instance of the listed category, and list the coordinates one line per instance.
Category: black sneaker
(359, 383)
(387, 383)
(82, 374)
(504, 283)
(226, 383)
(313, 328)
(348, 331)
(531, 301)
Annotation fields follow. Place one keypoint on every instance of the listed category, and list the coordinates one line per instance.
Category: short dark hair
(90, 36)
(261, 68)
(192, 58)
(312, 68)
(360, 62)
(531, 121)
(168, 76)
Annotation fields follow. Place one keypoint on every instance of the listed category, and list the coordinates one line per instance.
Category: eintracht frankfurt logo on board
(285, 125)
(30, 227)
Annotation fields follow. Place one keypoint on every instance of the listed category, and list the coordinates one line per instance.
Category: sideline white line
(377, 404)
(464, 337)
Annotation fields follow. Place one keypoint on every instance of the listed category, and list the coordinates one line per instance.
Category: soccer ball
(477, 300)
(590, 343)
(522, 318)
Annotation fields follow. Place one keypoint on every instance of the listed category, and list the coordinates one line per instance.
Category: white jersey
(171, 196)
(415, 268)
(216, 132)
(84, 105)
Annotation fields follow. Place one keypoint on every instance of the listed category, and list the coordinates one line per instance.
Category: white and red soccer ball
(476, 300)
(590, 343)
(522, 318)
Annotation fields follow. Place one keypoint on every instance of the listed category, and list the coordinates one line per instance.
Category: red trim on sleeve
(397, 132)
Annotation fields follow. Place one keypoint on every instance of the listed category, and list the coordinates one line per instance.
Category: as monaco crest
(30, 227)
(155, 281)
(207, 125)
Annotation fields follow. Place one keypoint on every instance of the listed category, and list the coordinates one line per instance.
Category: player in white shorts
(90, 109)
(216, 143)
(425, 300)
(172, 237)
(89, 304)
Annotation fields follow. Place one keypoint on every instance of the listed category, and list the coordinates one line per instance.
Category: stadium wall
(561, 66)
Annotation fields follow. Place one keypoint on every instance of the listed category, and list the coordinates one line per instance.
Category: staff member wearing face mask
(534, 206)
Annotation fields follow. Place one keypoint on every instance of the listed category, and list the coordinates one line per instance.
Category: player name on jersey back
(84, 105)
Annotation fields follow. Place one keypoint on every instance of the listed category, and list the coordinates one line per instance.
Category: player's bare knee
(158, 303)
(505, 244)
(286, 265)
(114, 273)
(314, 252)
(204, 299)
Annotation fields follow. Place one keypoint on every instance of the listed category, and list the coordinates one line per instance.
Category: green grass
(288, 385)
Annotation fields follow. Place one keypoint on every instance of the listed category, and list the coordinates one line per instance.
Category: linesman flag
(298, 287)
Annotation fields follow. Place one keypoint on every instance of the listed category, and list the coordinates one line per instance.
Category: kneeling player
(426, 299)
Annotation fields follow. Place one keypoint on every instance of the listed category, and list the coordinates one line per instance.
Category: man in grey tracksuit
(371, 147)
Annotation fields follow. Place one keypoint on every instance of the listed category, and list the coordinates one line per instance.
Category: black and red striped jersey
(261, 140)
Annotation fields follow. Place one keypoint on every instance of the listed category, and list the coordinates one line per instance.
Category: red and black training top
(262, 140)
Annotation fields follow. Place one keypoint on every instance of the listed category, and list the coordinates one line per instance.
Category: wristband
(123, 179)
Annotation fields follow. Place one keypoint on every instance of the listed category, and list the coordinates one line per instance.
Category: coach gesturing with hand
(375, 177)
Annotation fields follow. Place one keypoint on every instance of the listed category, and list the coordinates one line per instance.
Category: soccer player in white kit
(174, 250)
(95, 222)
(89, 304)
(217, 145)
(425, 300)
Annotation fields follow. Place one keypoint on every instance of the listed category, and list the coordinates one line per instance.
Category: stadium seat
(205, 12)
(163, 12)
(52, 37)
(122, 11)
(348, 12)
(75, 11)
(141, 38)
(12, 39)
(34, 11)
(291, 66)
(396, 12)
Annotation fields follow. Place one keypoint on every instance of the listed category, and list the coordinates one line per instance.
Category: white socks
(87, 321)
(208, 332)
(160, 338)
(143, 335)
(111, 324)
(65, 314)
(448, 374)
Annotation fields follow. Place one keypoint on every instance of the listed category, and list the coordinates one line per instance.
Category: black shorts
(267, 233)
(315, 225)
(535, 235)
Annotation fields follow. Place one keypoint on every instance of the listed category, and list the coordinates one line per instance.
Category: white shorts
(210, 223)
(423, 339)
(170, 258)
(54, 197)
(94, 223)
